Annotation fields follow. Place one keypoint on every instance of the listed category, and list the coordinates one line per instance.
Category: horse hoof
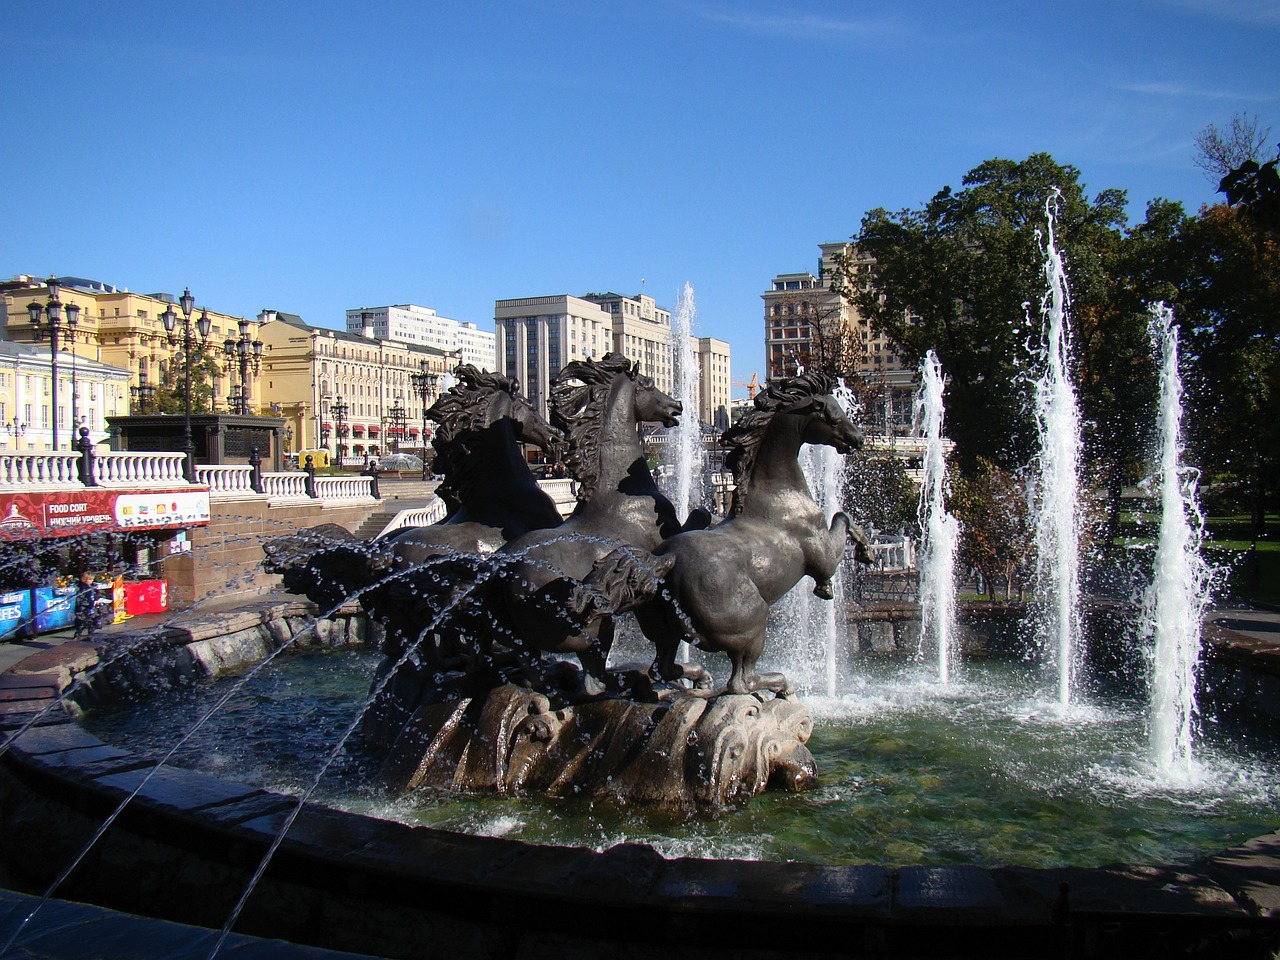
(823, 590)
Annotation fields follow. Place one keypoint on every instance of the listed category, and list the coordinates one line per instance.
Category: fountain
(687, 484)
(940, 530)
(937, 857)
(1058, 485)
(1175, 602)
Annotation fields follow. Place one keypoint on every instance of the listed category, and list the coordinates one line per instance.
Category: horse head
(530, 425)
(653, 405)
(809, 397)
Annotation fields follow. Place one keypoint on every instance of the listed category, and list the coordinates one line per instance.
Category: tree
(881, 495)
(205, 369)
(1218, 152)
(1229, 312)
(997, 532)
(957, 276)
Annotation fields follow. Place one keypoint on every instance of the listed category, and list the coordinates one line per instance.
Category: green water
(981, 773)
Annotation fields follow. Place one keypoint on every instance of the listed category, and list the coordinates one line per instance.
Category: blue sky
(312, 157)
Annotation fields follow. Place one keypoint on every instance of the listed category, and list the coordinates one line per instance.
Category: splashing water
(1057, 519)
(690, 461)
(1175, 602)
(816, 628)
(941, 531)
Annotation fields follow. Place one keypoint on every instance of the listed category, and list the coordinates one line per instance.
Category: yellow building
(125, 330)
(328, 382)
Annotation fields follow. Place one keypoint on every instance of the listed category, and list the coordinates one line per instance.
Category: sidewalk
(14, 652)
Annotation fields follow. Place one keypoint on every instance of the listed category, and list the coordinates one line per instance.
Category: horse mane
(743, 438)
(579, 394)
(461, 413)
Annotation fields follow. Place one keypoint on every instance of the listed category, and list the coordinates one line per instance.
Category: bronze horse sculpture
(599, 405)
(718, 591)
(490, 497)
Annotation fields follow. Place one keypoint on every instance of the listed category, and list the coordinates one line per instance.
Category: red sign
(67, 513)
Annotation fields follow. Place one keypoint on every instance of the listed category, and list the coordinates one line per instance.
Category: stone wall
(226, 556)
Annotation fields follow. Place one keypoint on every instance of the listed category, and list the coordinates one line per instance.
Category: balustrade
(44, 469)
(130, 469)
(285, 486)
(226, 481)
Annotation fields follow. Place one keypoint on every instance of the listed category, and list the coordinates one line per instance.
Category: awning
(374, 430)
(413, 431)
(357, 429)
(326, 426)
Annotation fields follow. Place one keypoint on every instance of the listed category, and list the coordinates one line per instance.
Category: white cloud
(797, 26)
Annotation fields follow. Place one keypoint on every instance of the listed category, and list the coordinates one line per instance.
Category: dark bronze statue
(475, 692)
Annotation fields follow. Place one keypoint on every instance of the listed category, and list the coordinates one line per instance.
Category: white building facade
(88, 392)
(537, 336)
(422, 326)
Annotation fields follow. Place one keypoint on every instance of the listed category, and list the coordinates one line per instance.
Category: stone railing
(226, 482)
(425, 516)
(115, 469)
(43, 469)
(285, 486)
(345, 489)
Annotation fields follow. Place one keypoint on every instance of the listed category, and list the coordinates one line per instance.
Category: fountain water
(1179, 591)
(1058, 486)
(686, 489)
(940, 530)
(814, 628)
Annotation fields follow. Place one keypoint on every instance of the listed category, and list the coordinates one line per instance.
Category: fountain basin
(187, 844)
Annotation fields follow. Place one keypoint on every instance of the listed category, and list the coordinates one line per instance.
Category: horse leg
(666, 632)
(745, 679)
(827, 564)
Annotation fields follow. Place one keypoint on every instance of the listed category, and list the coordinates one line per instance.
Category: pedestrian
(86, 607)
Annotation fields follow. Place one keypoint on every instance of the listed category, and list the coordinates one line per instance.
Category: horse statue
(490, 495)
(599, 405)
(718, 592)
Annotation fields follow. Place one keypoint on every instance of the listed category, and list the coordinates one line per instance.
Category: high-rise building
(537, 336)
(422, 326)
(808, 324)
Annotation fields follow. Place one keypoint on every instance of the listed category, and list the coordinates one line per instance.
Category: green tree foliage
(1228, 306)
(205, 368)
(997, 533)
(958, 274)
(881, 494)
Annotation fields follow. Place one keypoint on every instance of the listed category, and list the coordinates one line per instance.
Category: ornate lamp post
(425, 386)
(15, 429)
(246, 350)
(52, 311)
(143, 396)
(187, 302)
(339, 409)
(397, 416)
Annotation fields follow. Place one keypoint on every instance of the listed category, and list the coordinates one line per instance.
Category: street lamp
(339, 410)
(397, 416)
(247, 350)
(15, 429)
(53, 324)
(187, 302)
(425, 386)
(143, 396)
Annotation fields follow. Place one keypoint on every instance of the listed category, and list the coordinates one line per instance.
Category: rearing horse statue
(598, 404)
(724, 578)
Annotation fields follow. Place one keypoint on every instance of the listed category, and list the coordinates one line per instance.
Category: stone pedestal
(693, 751)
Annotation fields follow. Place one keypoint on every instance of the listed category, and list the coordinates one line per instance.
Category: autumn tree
(957, 275)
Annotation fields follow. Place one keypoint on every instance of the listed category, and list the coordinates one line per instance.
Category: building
(88, 393)
(807, 324)
(341, 389)
(422, 326)
(126, 330)
(713, 395)
(537, 336)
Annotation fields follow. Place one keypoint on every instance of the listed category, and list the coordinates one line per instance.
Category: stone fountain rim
(1238, 887)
